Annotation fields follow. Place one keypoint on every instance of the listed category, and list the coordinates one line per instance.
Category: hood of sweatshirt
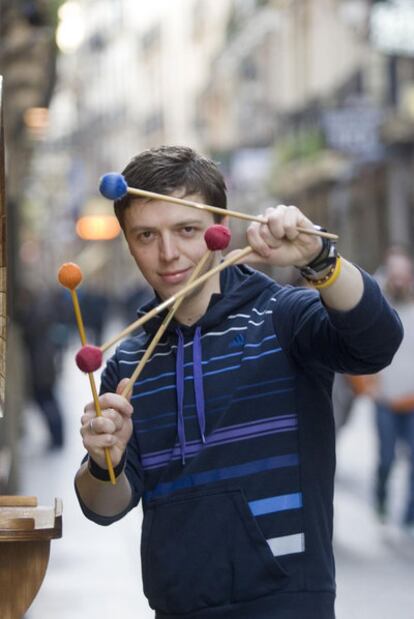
(238, 284)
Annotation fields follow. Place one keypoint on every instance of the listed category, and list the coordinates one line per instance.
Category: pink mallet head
(89, 358)
(217, 237)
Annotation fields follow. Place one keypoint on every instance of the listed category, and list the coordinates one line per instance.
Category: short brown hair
(167, 168)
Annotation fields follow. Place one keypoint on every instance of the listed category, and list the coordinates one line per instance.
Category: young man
(392, 389)
(229, 436)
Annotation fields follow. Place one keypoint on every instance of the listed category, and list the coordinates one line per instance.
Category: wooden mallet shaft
(142, 193)
(189, 287)
(78, 316)
(161, 330)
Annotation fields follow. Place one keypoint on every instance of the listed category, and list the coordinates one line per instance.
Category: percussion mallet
(189, 287)
(70, 276)
(114, 187)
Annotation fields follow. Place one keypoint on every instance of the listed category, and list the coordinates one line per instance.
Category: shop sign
(392, 27)
(354, 130)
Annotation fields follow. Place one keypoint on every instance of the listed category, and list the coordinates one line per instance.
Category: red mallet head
(70, 275)
(217, 237)
(89, 358)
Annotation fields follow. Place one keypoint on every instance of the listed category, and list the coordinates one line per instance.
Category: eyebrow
(180, 224)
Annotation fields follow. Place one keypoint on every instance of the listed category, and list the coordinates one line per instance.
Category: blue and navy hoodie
(232, 452)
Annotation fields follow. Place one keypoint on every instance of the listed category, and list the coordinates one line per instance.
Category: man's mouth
(174, 277)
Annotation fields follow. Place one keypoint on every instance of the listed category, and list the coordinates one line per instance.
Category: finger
(292, 218)
(276, 221)
(295, 218)
(110, 413)
(115, 417)
(87, 427)
(269, 238)
(256, 240)
(90, 423)
(95, 442)
(121, 386)
(86, 419)
(303, 221)
(89, 408)
(101, 425)
(117, 402)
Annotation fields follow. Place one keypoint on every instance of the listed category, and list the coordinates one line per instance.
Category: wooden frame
(3, 271)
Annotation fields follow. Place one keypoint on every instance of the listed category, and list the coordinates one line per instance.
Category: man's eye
(145, 236)
(188, 230)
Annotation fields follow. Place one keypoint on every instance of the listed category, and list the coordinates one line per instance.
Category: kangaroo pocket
(205, 549)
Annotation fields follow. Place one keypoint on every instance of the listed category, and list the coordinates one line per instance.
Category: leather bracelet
(103, 474)
(326, 257)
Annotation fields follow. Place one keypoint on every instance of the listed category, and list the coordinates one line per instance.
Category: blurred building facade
(317, 94)
(129, 78)
(301, 101)
(27, 65)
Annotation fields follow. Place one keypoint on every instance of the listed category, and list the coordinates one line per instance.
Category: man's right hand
(112, 430)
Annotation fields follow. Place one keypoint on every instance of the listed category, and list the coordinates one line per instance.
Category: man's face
(167, 241)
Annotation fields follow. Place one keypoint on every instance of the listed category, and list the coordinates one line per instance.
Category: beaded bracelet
(329, 278)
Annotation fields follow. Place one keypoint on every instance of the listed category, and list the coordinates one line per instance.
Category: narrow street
(375, 561)
(94, 572)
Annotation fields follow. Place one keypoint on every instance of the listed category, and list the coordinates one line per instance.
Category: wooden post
(26, 531)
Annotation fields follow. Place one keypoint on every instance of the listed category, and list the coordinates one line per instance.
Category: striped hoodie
(232, 452)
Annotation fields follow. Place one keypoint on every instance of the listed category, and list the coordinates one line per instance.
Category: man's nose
(168, 248)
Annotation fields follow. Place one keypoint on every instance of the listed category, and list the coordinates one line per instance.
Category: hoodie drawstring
(198, 383)
(198, 388)
(179, 382)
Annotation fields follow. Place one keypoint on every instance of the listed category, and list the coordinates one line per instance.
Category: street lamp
(97, 223)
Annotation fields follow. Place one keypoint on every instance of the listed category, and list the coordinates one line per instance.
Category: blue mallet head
(113, 186)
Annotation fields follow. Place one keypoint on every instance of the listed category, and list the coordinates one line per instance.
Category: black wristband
(103, 474)
(326, 258)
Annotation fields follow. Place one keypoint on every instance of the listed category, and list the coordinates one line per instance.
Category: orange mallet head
(70, 275)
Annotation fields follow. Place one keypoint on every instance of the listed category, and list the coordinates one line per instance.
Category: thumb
(121, 386)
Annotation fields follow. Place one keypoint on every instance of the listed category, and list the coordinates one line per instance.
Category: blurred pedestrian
(44, 334)
(393, 388)
(346, 388)
(343, 397)
(95, 310)
(134, 298)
